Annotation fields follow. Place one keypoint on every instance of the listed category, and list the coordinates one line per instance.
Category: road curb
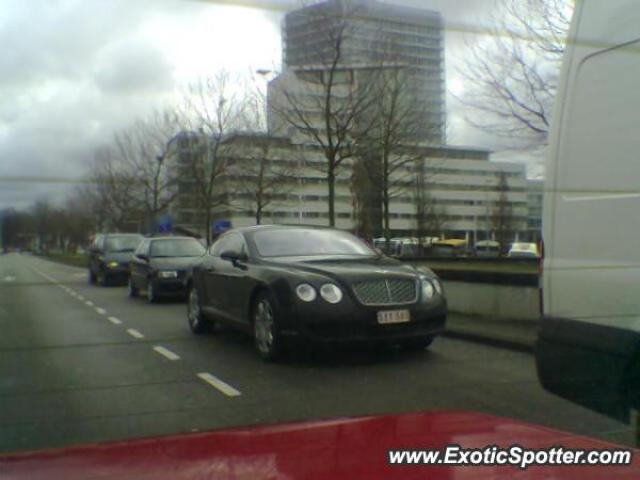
(506, 343)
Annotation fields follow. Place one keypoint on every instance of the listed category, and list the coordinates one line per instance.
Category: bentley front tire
(267, 339)
(102, 278)
(132, 289)
(152, 296)
(198, 323)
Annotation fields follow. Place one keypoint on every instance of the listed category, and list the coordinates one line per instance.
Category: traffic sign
(221, 226)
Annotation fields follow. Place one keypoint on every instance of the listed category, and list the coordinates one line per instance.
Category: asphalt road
(83, 364)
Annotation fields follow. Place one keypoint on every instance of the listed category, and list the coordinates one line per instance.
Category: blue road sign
(165, 224)
(221, 226)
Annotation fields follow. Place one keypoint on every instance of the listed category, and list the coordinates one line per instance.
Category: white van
(589, 344)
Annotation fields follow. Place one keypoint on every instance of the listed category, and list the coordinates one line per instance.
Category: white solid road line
(115, 320)
(165, 352)
(218, 384)
(101, 311)
(134, 333)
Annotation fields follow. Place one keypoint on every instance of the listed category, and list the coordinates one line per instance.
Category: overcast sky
(74, 71)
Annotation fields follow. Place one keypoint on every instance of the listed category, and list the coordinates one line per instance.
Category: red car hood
(351, 448)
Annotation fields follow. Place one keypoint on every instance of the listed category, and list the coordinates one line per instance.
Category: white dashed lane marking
(208, 378)
(134, 333)
(218, 384)
(165, 352)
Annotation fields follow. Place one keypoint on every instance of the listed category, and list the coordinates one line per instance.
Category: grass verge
(72, 259)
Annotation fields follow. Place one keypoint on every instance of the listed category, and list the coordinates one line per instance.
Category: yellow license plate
(393, 316)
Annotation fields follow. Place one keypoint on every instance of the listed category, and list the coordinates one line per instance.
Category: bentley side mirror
(233, 257)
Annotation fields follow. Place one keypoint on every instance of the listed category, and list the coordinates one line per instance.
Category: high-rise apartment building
(371, 37)
(463, 187)
(535, 197)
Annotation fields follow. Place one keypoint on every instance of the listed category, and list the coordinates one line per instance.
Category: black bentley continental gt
(282, 283)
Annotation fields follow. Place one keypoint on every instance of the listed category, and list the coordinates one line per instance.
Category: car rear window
(177, 248)
(122, 243)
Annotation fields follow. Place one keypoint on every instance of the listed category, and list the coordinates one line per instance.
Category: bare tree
(116, 190)
(130, 182)
(89, 198)
(261, 177)
(16, 228)
(390, 145)
(511, 75)
(430, 215)
(365, 197)
(81, 211)
(43, 222)
(215, 107)
(141, 150)
(502, 217)
(324, 101)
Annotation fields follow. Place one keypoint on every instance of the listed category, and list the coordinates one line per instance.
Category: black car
(283, 283)
(162, 266)
(109, 257)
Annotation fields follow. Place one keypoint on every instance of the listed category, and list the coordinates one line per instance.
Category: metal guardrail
(469, 275)
(473, 260)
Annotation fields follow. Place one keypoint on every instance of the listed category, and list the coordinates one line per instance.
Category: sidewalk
(520, 335)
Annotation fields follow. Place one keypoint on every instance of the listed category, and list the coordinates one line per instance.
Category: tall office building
(535, 197)
(372, 36)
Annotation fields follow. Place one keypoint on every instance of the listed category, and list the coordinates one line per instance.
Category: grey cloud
(37, 32)
(133, 67)
(21, 195)
(66, 83)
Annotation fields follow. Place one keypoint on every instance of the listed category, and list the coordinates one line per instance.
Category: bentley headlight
(428, 290)
(438, 285)
(306, 292)
(112, 264)
(331, 293)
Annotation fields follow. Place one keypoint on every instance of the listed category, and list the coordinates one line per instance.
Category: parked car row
(282, 285)
(435, 247)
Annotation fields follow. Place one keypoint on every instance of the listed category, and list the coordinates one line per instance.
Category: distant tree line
(46, 227)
